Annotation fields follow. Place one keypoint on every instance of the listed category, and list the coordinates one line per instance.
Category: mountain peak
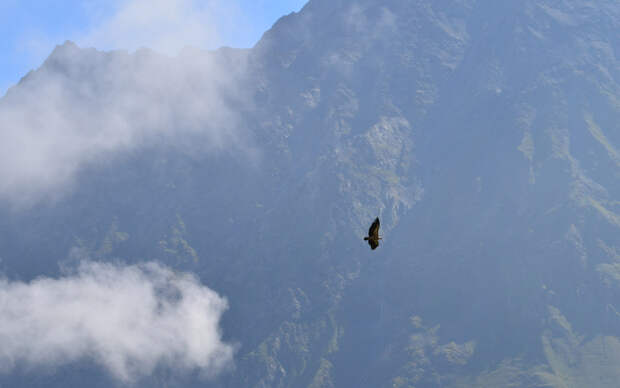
(64, 50)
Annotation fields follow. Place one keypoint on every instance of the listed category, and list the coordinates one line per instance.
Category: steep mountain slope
(485, 135)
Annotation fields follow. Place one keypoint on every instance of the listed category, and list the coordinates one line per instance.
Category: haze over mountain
(484, 134)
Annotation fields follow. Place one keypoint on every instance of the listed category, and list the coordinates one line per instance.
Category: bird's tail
(365, 238)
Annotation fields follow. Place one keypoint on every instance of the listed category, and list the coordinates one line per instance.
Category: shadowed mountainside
(484, 134)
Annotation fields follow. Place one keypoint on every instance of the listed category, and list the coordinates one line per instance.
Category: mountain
(484, 134)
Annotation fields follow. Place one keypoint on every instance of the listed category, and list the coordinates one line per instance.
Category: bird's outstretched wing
(373, 232)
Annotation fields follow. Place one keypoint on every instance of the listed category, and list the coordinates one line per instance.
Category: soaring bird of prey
(373, 234)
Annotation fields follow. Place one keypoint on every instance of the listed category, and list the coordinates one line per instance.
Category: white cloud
(85, 105)
(164, 25)
(129, 319)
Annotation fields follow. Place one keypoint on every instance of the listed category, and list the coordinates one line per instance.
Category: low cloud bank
(128, 319)
(83, 106)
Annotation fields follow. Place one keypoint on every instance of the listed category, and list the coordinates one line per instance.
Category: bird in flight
(373, 234)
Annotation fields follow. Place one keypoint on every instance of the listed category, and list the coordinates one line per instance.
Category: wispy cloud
(128, 319)
(83, 105)
(163, 25)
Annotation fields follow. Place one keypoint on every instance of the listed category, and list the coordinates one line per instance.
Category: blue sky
(31, 28)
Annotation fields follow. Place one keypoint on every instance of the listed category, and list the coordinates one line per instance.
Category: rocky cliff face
(484, 134)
